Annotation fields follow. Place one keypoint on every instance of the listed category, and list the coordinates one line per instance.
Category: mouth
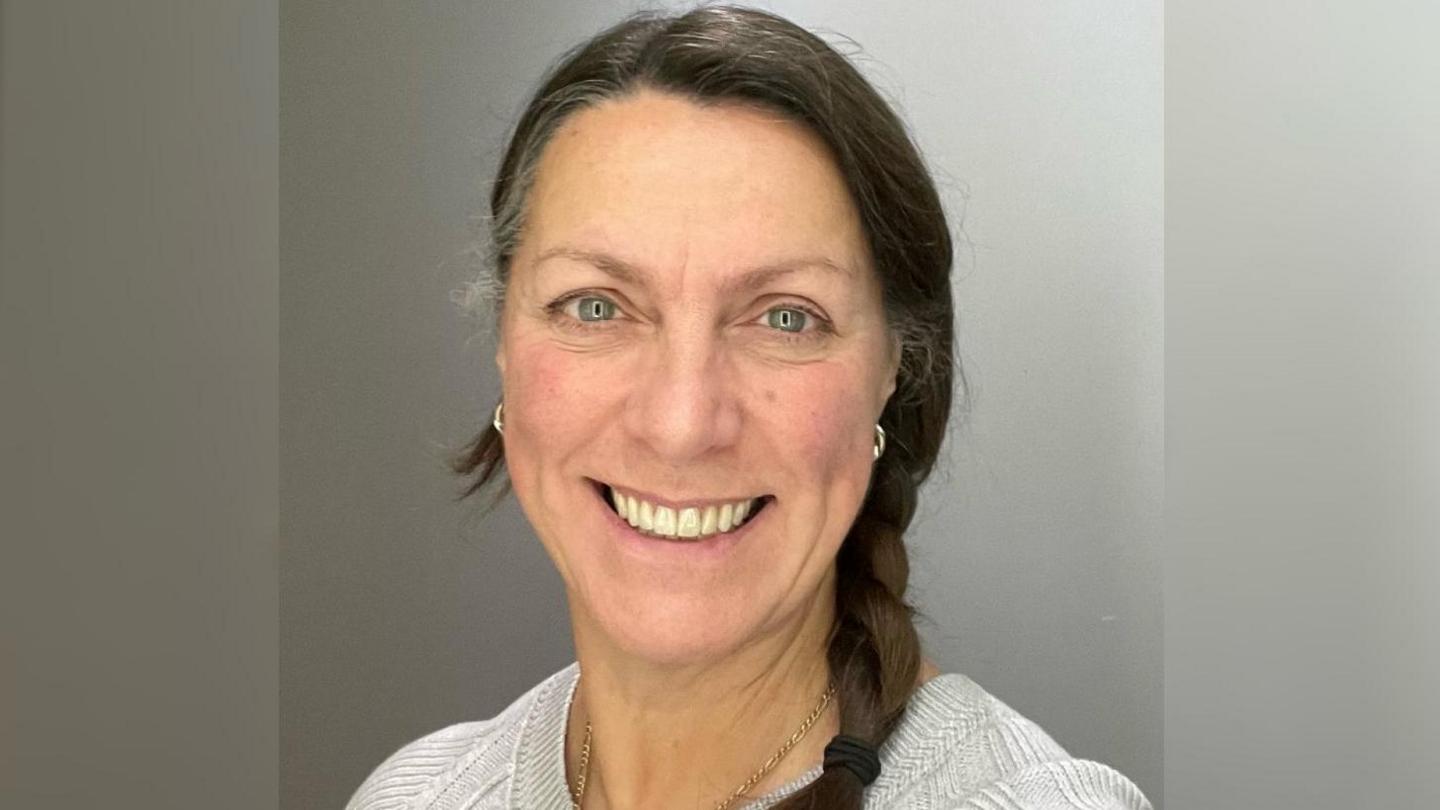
(680, 522)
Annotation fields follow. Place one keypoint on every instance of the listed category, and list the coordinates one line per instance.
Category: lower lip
(701, 549)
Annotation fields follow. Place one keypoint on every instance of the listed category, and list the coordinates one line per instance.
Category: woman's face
(692, 322)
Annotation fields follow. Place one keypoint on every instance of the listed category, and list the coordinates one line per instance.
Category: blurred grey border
(1302, 628)
(138, 386)
(139, 349)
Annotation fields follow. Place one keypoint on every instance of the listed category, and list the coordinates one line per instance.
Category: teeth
(687, 523)
(665, 520)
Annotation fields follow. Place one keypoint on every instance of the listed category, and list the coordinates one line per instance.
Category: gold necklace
(578, 793)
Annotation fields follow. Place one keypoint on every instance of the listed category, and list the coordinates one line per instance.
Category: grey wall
(138, 405)
(1037, 551)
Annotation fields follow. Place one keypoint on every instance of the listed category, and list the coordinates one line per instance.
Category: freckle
(769, 395)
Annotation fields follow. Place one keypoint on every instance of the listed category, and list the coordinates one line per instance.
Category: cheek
(552, 397)
(822, 418)
(822, 414)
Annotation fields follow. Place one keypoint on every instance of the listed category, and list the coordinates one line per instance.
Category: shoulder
(413, 775)
(479, 753)
(958, 746)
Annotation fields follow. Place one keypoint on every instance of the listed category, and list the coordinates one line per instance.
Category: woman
(722, 279)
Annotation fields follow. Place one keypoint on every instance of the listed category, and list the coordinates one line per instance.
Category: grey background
(1302, 564)
(139, 372)
(1037, 549)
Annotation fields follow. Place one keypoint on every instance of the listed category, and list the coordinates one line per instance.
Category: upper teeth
(687, 522)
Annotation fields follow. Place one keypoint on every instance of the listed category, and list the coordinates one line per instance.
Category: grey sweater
(957, 748)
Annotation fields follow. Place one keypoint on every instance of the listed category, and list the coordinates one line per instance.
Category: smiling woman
(721, 272)
(683, 394)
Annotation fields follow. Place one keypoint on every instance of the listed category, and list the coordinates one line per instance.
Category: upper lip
(656, 500)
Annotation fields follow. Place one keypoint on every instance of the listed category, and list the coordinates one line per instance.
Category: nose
(683, 406)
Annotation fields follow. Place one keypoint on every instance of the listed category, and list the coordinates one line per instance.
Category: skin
(688, 391)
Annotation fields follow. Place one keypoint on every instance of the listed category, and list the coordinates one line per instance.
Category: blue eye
(788, 319)
(593, 308)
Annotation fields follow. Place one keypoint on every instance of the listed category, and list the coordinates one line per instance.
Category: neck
(686, 736)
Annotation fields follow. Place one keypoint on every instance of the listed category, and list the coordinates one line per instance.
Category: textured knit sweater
(957, 748)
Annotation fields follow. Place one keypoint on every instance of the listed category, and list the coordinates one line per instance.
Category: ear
(892, 370)
(500, 358)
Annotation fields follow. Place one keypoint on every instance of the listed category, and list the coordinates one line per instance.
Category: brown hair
(726, 54)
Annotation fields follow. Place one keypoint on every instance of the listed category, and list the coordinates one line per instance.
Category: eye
(788, 319)
(593, 308)
(584, 312)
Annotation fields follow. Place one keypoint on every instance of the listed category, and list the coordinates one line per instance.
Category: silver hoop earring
(499, 420)
(879, 440)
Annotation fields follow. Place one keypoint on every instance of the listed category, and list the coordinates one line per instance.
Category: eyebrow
(751, 279)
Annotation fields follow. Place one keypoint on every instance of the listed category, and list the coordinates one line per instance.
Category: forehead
(663, 179)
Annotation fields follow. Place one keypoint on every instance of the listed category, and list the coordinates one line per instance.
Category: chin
(662, 632)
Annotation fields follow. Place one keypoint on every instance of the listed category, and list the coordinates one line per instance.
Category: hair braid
(874, 651)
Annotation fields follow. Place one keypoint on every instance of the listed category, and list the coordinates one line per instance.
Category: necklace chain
(578, 794)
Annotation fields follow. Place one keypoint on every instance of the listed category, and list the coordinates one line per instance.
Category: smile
(682, 522)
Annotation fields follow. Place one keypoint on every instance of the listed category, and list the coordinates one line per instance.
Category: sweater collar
(540, 783)
(540, 780)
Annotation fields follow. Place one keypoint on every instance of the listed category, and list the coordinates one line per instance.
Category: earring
(879, 440)
(499, 420)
